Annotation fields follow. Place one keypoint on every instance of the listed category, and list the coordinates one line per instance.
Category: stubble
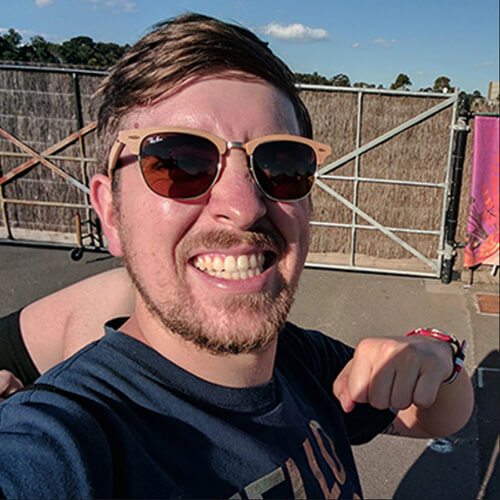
(262, 315)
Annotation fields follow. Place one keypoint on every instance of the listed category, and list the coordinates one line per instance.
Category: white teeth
(202, 265)
(218, 264)
(242, 263)
(230, 264)
(231, 267)
(252, 262)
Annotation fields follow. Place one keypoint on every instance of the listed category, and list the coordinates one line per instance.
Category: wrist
(457, 348)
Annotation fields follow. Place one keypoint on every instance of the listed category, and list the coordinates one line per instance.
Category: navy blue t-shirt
(119, 420)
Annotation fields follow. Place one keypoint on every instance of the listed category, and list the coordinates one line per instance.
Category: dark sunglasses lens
(178, 165)
(285, 169)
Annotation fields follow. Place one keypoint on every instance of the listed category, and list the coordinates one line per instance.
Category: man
(205, 390)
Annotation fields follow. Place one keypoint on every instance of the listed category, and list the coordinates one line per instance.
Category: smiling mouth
(233, 267)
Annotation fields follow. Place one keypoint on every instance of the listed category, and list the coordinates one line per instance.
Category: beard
(250, 321)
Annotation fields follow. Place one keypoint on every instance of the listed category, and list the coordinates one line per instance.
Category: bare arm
(55, 327)
(407, 374)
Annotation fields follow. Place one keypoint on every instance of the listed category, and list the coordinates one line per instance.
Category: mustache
(225, 239)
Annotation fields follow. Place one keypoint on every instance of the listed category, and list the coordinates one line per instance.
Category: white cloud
(295, 33)
(485, 64)
(383, 42)
(118, 6)
(356, 45)
(43, 3)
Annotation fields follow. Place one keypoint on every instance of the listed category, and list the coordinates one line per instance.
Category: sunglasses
(184, 163)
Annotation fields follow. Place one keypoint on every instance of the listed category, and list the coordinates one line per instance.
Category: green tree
(312, 78)
(341, 80)
(109, 53)
(441, 83)
(79, 50)
(9, 46)
(364, 85)
(13, 37)
(477, 95)
(39, 50)
(402, 82)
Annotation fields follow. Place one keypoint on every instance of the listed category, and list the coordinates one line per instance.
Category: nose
(235, 199)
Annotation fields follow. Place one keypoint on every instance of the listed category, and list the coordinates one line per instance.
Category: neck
(230, 370)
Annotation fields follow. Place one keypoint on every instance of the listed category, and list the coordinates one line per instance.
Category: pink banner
(482, 245)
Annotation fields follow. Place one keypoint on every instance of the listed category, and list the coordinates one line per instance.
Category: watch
(458, 348)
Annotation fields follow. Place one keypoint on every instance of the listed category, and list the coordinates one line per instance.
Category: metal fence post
(83, 165)
(458, 157)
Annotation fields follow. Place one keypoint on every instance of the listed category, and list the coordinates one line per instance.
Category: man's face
(170, 246)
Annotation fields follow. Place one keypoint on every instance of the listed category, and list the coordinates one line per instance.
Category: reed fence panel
(39, 108)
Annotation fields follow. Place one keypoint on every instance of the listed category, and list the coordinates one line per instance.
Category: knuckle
(391, 348)
(379, 404)
(399, 403)
(378, 400)
(376, 348)
(423, 400)
(364, 346)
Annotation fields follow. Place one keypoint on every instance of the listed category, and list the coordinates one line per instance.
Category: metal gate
(362, 219)
(72, 168)
(47, 155)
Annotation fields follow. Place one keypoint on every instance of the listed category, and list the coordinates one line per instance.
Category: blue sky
(368, 40)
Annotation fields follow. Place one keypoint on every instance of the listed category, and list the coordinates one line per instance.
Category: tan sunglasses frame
(133, 140)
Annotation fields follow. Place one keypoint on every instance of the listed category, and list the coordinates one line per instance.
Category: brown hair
(181, 48)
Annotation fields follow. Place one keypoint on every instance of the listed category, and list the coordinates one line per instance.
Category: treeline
(402, 82)
(82, 50)
(78, 50)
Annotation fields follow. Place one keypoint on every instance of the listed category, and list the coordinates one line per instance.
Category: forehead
(234, 106)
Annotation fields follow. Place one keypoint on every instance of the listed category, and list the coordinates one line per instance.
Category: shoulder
(313, 343)
(322, 355)
(49, 434)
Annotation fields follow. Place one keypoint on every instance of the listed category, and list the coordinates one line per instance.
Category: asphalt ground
(351, 306)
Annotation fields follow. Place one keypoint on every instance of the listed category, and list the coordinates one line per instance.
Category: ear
(101, 196)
